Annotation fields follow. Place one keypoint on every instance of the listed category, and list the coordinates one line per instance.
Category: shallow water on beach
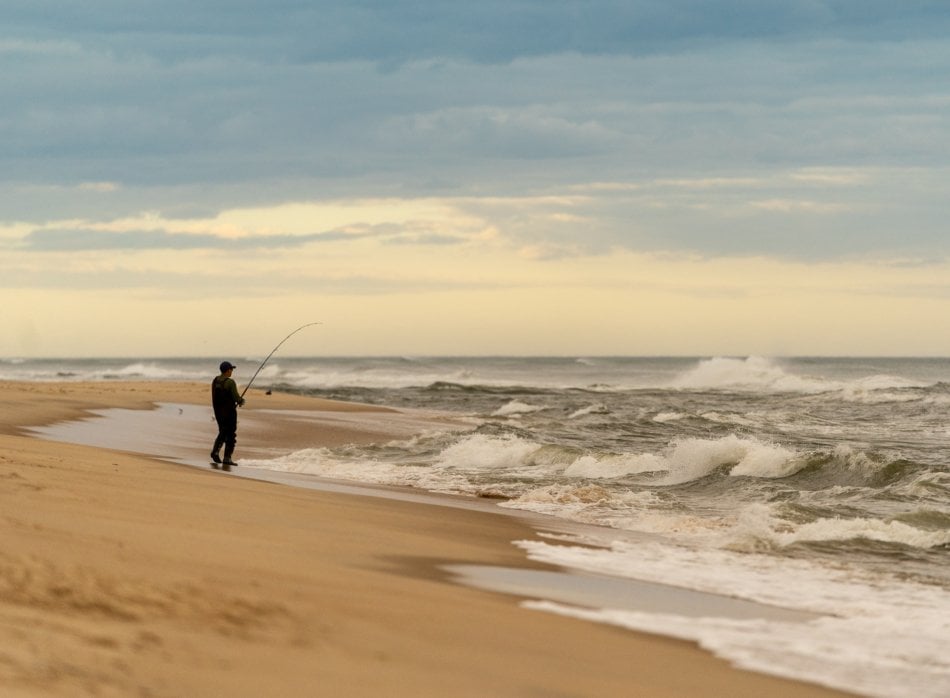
(818, 485)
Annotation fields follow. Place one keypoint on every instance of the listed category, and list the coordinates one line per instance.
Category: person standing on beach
(225, 400)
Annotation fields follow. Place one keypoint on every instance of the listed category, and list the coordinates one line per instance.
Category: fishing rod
(309, 324)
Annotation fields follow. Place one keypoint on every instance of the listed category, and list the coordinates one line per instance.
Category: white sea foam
(929, 485)
(757, 525)
(879, 389)
(597, 408)
(685, 460)
(756, 373)
(690, 458)
(387, 379)
(516, 407)
(591, 503)
(463, 466)
(412, 375)
(144, 370)
(820, 652)
(606, 466)
(486, 453)
(511, 457)
(880, 639)
(97, 371)
(720, 418)
(752, 373)
(664, 417)
(323, 462)
(588, 493)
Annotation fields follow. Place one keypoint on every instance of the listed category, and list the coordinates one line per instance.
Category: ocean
(819, 485)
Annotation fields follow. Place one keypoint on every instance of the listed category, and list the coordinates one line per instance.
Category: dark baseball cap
(226, 366)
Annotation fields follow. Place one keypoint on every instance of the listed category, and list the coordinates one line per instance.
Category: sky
(517, 177)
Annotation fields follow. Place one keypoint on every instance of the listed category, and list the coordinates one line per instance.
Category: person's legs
(229, 444)
(218, 443)
(228, 434)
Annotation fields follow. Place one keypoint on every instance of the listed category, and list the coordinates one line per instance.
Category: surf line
(273, 351)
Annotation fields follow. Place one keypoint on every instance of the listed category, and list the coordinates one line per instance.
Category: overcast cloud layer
(810, 129)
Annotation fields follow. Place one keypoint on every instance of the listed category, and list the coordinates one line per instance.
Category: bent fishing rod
(309, 324)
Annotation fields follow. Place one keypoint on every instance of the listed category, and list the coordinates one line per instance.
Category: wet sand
(125, 575)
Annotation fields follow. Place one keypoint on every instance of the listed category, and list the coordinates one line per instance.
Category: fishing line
(309, 324)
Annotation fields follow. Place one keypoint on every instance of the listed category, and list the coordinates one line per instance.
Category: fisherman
(225, 400)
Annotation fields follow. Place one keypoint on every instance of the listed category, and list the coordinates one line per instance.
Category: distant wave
(98, 370)
(142, 370)
(752, 373)
(760, 374)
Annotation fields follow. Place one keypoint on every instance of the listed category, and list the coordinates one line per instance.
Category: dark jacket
(225, 397)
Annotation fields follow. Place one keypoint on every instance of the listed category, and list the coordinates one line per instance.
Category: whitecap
(759, 526)
(605, 466)
(597, 408)
(515, 407)
(752, 373)
(487, 452)
(691, 458)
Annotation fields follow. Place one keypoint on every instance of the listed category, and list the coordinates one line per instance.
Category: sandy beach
(125, 575)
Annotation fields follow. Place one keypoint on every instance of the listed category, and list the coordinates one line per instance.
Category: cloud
(506, 133)
(99, 186)
(488, 31)
(82, 240)
(419, 223)
(65, 240)
(681, 120)
(798, 205)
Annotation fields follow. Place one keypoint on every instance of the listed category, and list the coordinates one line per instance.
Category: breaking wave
(761, 374)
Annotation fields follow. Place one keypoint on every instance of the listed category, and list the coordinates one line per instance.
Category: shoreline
(125, 574)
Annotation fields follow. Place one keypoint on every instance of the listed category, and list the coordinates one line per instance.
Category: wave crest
(752, 373)
(693, 458)
(759, 527)
(758, 374)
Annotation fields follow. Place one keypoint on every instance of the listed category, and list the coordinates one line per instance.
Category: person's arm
(238, 400)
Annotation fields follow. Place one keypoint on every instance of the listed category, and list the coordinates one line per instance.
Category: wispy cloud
(798, 206)
(119, 236)
(74, 240)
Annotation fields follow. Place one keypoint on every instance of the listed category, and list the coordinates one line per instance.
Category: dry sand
(122, 575)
